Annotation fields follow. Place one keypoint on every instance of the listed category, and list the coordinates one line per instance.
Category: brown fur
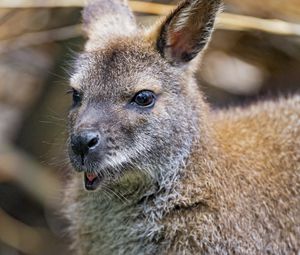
(178, 178)
(251, 186)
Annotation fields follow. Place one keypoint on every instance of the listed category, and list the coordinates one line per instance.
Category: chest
(106, 226)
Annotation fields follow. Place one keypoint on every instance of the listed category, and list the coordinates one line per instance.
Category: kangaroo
(158, 171)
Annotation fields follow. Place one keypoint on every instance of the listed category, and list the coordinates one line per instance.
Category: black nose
(84, 141)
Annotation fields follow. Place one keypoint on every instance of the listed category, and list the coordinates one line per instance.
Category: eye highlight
(76, 96)
(144, 98)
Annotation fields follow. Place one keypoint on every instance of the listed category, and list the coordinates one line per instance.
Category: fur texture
(177, 178)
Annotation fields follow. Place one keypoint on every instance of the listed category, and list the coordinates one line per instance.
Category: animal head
(136, 107)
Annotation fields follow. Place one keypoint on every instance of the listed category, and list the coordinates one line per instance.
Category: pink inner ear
(180, 43)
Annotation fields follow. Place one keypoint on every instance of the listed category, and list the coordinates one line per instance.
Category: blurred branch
(151, 8)
(37, 180)
(37, 38)
(286, 9)
(39, 3)
(22, 237)
(7, 16)
(240, 22)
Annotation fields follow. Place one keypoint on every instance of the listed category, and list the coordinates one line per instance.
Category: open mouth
(92, 181)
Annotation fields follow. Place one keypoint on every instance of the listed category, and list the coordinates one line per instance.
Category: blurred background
(254, 54)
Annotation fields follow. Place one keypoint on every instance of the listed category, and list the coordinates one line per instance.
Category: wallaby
(158, 171)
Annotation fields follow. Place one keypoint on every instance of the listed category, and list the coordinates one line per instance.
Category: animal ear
(187, 30)
(104, 19)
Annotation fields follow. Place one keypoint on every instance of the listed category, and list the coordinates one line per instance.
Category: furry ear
(104, 19)
(187, 30)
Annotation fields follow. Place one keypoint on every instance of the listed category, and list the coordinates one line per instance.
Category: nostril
(84, 141)
(92, 143)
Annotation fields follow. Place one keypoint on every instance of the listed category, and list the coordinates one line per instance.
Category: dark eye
(144, 98)
(77, 97)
